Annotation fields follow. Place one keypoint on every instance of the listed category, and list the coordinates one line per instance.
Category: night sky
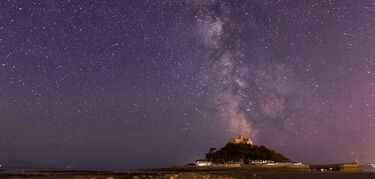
(135, 84)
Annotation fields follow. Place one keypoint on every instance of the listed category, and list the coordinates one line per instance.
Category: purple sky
(129, 84)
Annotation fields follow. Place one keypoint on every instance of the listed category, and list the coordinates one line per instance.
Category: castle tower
(242, 140)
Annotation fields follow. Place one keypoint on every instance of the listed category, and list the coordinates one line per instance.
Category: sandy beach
(191, 175)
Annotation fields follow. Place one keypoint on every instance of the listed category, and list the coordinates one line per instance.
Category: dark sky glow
(129, 84)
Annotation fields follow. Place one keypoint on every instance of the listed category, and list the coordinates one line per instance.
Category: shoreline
(227, 174)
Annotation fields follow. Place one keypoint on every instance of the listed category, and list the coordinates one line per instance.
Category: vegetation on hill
(245, 152)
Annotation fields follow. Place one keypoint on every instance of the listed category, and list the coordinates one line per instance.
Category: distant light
(201, 163)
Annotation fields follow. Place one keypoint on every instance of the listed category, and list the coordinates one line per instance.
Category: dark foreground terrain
(193, 175)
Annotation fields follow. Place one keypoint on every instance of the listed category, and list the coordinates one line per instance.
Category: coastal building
(262, 162)
(337, 167)
(202, 163)
(242, 140)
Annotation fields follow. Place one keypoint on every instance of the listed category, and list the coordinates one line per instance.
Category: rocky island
(242, 150)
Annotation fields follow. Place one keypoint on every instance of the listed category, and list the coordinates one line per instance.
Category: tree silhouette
(243, 152)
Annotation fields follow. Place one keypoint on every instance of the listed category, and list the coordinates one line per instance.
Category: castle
(242, 140)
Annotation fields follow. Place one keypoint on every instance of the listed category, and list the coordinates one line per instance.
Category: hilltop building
(242, 140)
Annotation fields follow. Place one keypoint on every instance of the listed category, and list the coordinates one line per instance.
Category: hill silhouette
(244, 152)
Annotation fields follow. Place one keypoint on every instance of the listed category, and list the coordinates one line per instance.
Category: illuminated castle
(242, 140)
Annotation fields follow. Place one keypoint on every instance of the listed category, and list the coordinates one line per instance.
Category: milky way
(128, 84)
(226, 76)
